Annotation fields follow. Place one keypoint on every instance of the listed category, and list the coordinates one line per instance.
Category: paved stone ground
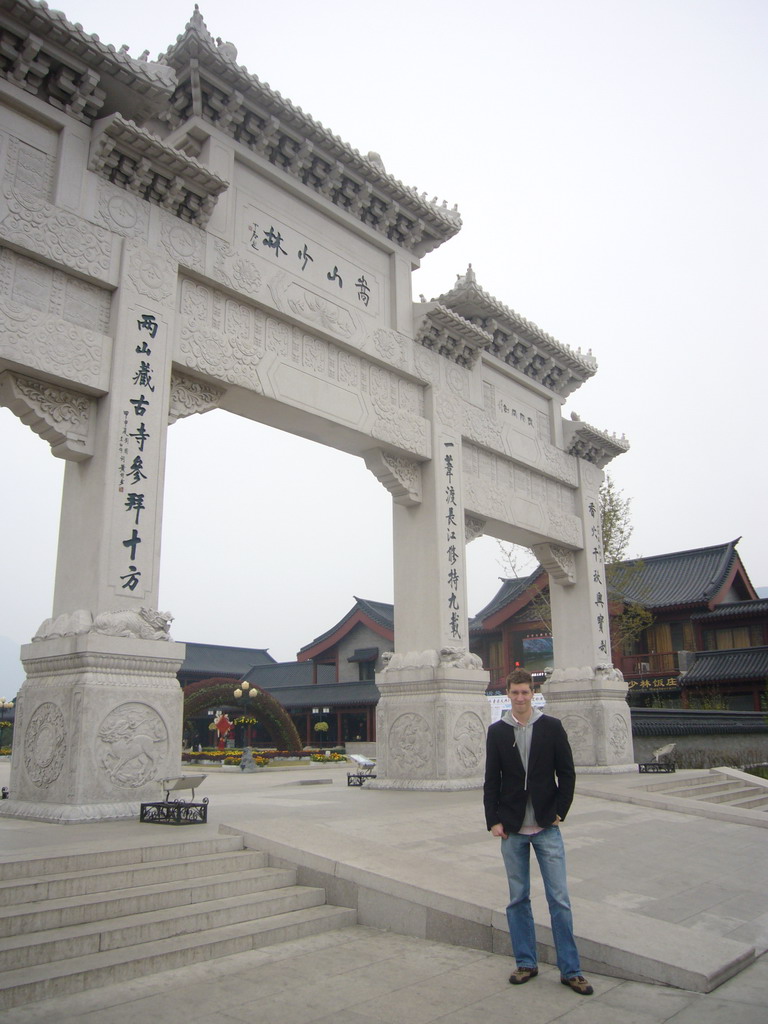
(709, 876)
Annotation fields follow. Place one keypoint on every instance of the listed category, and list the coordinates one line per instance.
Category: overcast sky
(609, 160)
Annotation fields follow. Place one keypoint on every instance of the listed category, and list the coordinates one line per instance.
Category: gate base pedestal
(98, 722)
(591, 703)
(431, 722)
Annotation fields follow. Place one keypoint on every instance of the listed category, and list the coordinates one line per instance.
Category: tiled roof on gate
(717, 666)
(677, 579)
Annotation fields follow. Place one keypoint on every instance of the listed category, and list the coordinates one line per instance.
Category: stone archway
(176, 237)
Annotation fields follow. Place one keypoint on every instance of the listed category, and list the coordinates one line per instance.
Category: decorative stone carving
(469, 741)
(220, 336)
(45, 744)
(121, 212)
(60, 236)
(52, 346)
(618, 736)
(190, 396)
(146, 624)
(68, 624)
(151, 274)
(303, 302)
(473, 527)
(397, 661)
(140, 162)
(559, 562)
(591, 444)
(183, 242)
(131, 742)
(580, 737)
(54, 60)
(459, 658)
(411, 743)
(391, 346)
(39, 287)
(449, 334)
(28, 169)
(516, 341)
(243, 107)
(401, 477)
(65, 419)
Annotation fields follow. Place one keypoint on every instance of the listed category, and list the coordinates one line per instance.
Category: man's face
(521, 695)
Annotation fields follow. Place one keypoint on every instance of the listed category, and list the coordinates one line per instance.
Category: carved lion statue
(145, 624)
(459, 657)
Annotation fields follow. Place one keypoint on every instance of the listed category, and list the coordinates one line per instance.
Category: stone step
(98, 860)
(756, 800)
(730, 796)
(44, 915)
(78, 973)
(88, 881)
(704, 790)
(673, 785)
(150, 926)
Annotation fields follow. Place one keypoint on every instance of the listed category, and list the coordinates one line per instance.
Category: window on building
(732, 638)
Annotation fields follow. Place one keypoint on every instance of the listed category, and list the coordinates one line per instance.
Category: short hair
(520, 678)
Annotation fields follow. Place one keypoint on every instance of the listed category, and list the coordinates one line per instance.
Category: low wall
(702, 739)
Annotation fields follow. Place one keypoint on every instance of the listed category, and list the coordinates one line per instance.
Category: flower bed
(232, 756)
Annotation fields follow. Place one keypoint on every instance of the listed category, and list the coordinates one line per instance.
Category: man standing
(529, 783)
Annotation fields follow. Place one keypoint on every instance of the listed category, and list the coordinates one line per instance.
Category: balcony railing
(656, 664)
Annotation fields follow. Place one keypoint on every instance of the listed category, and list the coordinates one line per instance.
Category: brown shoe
(523, 974)
(579, 984)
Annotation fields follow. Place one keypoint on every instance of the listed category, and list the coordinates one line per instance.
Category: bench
(662, 761)
(177, 811)
(364, 771)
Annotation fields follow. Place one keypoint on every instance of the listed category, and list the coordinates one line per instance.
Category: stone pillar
(99, 717)
(432, 714)
(98, 723)
(584, 690)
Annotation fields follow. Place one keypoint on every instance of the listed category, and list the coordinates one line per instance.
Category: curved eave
(328, 640)
(469, 300)
(121, 77)
(439, 222)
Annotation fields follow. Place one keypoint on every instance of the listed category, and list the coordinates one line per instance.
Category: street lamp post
(245, 690)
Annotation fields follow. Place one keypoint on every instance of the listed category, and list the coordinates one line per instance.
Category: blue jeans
(550, 853)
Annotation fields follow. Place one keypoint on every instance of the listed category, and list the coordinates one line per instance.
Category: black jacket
(551, 775)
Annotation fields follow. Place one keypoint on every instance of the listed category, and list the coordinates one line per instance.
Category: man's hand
(498, 831)
(557, 820)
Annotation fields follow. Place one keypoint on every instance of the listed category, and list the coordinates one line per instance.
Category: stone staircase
(72, 923)
(721, 786)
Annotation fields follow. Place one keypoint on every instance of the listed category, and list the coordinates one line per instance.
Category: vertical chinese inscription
(135, 447)
(597, 573)
(451, 539)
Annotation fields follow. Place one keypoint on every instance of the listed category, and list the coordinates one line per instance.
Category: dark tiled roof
(211, 659)
(509, 591)
(378, 611)
(719, 666)
(289, 673)
(734, 610)
(677, 579)
(328, 694)
(674, 722)
(364, 654)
